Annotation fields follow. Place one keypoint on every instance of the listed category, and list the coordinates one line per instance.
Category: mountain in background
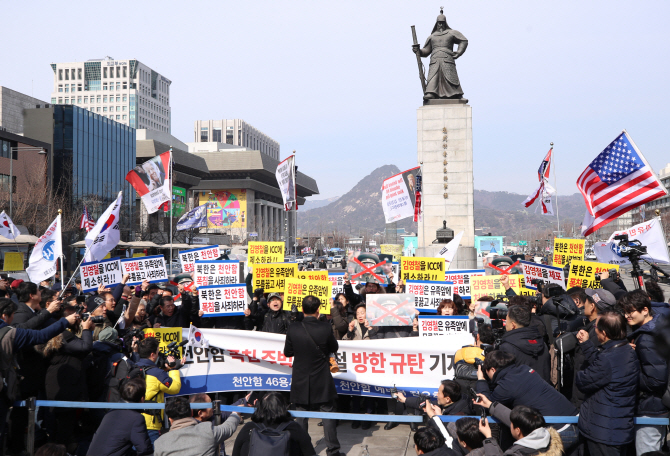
(501, 213)
(316, 203)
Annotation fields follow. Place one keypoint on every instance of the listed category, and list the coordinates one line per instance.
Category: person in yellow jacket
(159, 381)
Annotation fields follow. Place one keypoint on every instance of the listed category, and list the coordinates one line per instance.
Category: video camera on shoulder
(171, 350)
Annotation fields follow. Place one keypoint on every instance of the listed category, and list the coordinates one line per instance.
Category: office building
(235, 132)
(662, 204)
(12, 104)
(90, 157)
(126, 91)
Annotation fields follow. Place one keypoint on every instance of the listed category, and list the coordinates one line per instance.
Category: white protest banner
(223, 300)
(285, 175)
(461, 280)
(429, 295)
(254, 360)
(215, 272)
(187, 258)
(449, 250)
(337, 280)
(105, 272)
(453, 326)
(649, 234)
(106, 233)
(550, 274)
(43, 262)
(398, 197)
(151, 268)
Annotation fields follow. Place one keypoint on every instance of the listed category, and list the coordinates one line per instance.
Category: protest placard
(223, 300)
(429, 295)
(165, 336)
(265, 252)
(272, 277)
(422, 268)
(13, 261)
(583, 273)
(96, 273)
(297, 289)
(491, 286)
(453, 326)
(549, 274)
(390, 309)
(312, 275)
(566, 250)
(217, 272)
(461, 279)
(523, 291)
(189, 257)
(392, 249)
(151, 268)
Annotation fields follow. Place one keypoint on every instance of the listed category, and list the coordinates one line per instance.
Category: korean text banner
(429, 295)
(265, 252)
(152, 182)
(272, 277)
(549, 274)
(649, 233)
(105, 272)
(189, 257)
(151, 268)
(566, 250)
(337, 282)
(422, 268)
(225, 208)
(461, 279)
(224, 272)
(453, 326)
(223, 300)
(312, 275)
(390, 309)
(583, 273)
(285, 175)
(165, 336)
(254, 360)
(297, 289)
(392, 249)
(491, 286)
(398, 195)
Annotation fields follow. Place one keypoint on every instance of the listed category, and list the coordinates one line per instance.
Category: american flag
(87, 221)
(618, 180)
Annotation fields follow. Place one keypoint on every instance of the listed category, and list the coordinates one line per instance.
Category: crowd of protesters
(586, 354)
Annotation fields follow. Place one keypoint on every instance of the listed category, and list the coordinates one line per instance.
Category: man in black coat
(525, 342)
(310, 343)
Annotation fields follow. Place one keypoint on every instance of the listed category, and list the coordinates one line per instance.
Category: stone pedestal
(447, 128)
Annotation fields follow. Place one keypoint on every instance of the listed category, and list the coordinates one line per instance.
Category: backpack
(123, 369)
(265, 441)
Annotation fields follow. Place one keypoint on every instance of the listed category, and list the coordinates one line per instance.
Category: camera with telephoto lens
(424, 399)
(497, 321)
(394, 392)
(171, 350)
(86, 315)
(614, 274)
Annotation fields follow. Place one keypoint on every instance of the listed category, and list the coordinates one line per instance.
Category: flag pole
(62, 276)
(558, 220)
(171, 211)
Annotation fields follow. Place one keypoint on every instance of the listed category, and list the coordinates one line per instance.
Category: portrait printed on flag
(390, 309)
(151, 181)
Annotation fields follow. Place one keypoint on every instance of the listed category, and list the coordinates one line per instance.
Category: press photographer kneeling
(449, 398)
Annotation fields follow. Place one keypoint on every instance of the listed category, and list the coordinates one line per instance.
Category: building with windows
(126, 91)
(89, 159)
(235, 132)
(12, 104)
(662, 204)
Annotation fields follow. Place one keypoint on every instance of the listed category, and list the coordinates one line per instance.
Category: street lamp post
(11, 171)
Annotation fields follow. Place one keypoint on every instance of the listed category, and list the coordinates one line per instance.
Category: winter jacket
(519, 385)
(460, 407)
(527, 345)
(159, 382)
(66, 376)
(118, 433)
(276, 322)
(579, 362)
(339, 323)
(540, 442)
(618, 289)
(653, 371)
(661, 308)
(24, 313)
(189, 436)
(300, 442)
(178, 319)
(610, 384)
(357, 333)
(29, 337)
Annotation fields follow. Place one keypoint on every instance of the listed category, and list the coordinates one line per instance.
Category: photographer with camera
(513, 384)
(466, 359)
(162, 376)
(449, 398)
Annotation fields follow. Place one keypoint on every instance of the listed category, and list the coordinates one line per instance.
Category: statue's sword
(418, 60)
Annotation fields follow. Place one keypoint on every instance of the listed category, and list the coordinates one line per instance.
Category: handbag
(566, 342)
(334, 367)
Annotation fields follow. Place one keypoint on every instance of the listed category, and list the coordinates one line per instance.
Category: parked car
(337, 258)
(300, 260)
(289, 259)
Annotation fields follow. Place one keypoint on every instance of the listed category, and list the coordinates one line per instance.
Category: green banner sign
(523, 242)
(178, 201)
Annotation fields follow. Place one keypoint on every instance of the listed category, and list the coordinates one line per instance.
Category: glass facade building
(91, 157)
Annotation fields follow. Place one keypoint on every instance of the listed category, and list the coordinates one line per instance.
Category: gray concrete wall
(12, 104)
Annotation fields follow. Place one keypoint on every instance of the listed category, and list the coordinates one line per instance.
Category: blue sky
(337, 81)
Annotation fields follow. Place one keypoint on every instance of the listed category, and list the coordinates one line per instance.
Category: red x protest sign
(368, 269)
(389, 313)
(505, 271)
